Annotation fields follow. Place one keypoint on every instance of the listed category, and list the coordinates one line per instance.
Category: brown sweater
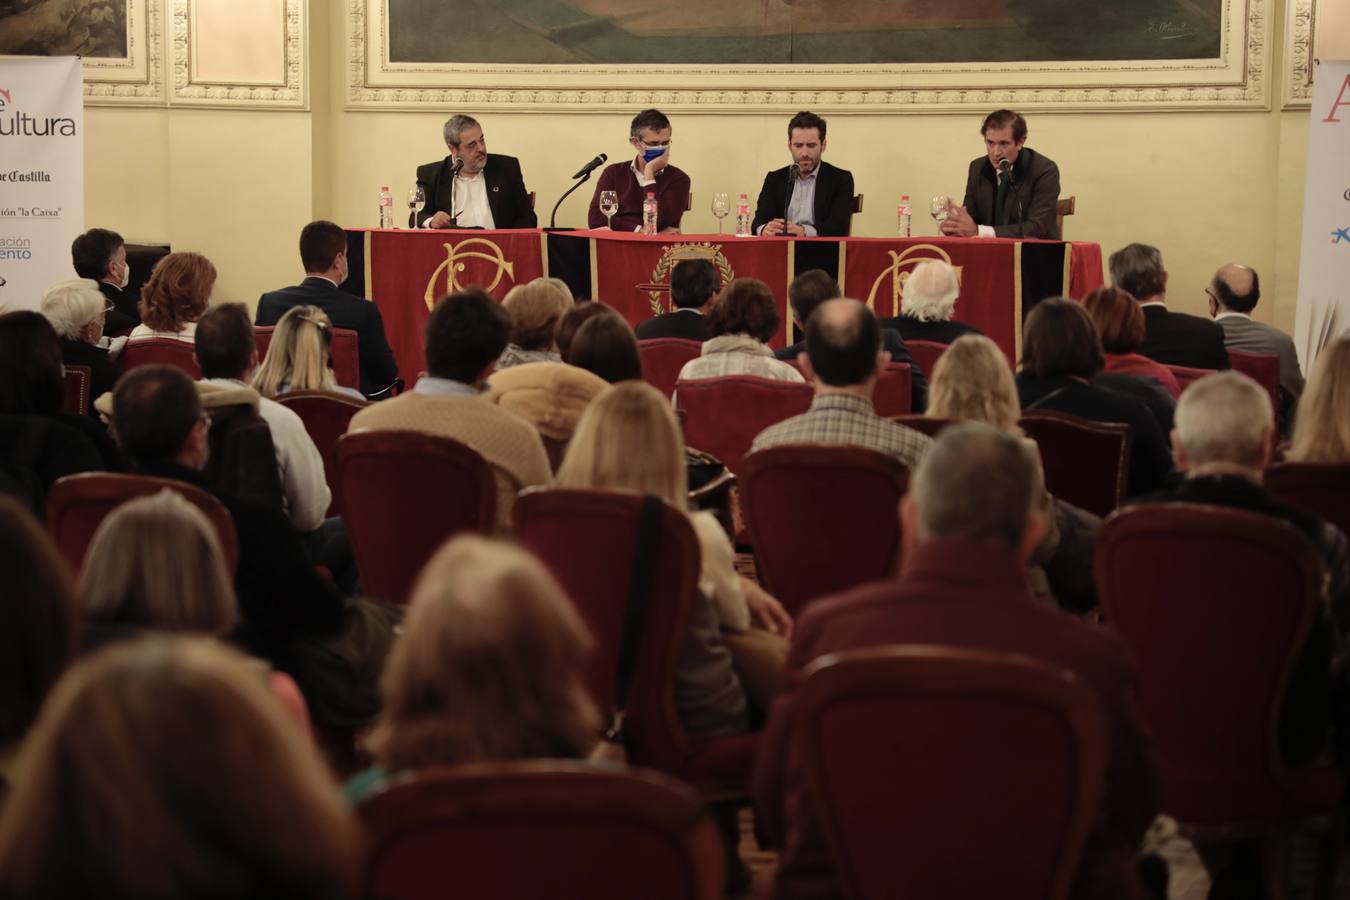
(672, 197)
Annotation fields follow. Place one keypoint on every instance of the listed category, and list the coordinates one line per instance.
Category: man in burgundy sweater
(632, 181)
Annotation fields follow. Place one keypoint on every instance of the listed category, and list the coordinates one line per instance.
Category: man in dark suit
(101, 255)
(810, 197)
(1171, 338)
(323, 250)
(693, 285)
(973, 497)
(487, 190)
(1011, 191)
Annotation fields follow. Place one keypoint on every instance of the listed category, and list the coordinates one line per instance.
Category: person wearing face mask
(472, 188)
(101, 255)
(1011, 191)
(649, 172)
(810, 197)
(75, 308)
(323, 250)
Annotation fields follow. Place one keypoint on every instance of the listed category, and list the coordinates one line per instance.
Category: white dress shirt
(471, 202)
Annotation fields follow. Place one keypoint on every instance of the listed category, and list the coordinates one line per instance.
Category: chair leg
(1329, 857)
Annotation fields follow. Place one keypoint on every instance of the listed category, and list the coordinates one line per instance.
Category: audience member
(970, 524)
(178, 292)
(165, 768)
(693, 287)
(1120, 322)
(572, 320)
(1061, 352)
(76, 309)
(101, 255)
(1233, 294)
(843, 359)
(551, 396)
(299, 357)
(323, 252)
(465, 335)
(605, 345)
(535, 310)
(1322, 426)
(491, 666)
(928, 304)
(1171, 338)
(40, 621)
(742, 319)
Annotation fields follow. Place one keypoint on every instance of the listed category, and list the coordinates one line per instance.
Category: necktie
(999, 195)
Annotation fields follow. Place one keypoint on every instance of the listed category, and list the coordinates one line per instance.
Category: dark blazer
(941, 598)
(378, 369)
(507, 197)
(126, 311)
(912, 329)
(833, 212)
(103, 372)
(684, 323)
(894, 344)
(1028, 206)
(1176, 339)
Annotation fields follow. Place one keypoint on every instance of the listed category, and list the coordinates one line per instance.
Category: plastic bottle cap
(651, 194)
(904, 196)
(385, 188)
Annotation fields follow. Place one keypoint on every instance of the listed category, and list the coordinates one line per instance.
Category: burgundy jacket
(940, 598)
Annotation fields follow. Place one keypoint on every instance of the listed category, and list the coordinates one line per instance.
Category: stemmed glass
(941, 208)
(609, 205)
(417, 201)
(721, 208)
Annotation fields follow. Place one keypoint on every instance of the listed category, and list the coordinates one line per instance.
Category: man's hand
(795, 230)
(650, 169)
(766, 609)
(959, 223)
(440, 220)
(774, 228)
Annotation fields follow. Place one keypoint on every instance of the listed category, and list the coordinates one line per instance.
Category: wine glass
(417, 200)
(941, 208)
(721, 208)
(609, 205)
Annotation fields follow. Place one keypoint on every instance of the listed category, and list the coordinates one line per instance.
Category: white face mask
(126, 276)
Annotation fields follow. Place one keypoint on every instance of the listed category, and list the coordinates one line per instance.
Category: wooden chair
(326, 416)
(926, 354)
(1065, 206)
(662, 359)
(1264, 369)
(344, 353)
(1209, 597)
(929, 425)
(857, 203)
(724, 415)
(810, 507)
(893, 394)
(161, 351)
(405, 493)
(519, 830)
(1086, 463)
(1319, 488)
(78, 504)
(77, 390)
(588, 540)
(1185, 375)
(964, 816)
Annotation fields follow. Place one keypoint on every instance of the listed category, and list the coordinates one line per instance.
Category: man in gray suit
(1232, 297)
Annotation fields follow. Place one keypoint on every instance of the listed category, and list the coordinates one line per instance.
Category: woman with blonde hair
(178, 292)
(490, 665)
(298, 358)
(164, 768)
(535, 310)
(1322, 423)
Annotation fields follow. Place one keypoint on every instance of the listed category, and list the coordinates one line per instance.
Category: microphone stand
(553, 217)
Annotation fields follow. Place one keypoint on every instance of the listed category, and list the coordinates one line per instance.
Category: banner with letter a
(1324, 268)
(41, 174)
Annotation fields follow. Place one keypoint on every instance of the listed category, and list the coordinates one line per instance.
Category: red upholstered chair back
(1264, 369)
(722, 416)
(926, 354)
(1216, 605)
(404, 494)
(929, 425)
(809, 508)
(326, 416)
(964, 815)
(1185, 375)
(1320, 488)
(77, 390)
(1086, 463)
(78, 504)
(891, 396)
(662, 359)
(526, 830)
(344, 353)
(161, 351)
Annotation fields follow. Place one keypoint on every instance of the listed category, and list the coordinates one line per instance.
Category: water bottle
(743, 219)
(649, 213)
(903, 215)
(386, 208)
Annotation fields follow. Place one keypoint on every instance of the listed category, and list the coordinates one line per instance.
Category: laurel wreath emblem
(678, 253)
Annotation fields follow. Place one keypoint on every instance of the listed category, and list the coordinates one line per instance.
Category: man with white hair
(76, 310)
(927, 305)
(971, 520)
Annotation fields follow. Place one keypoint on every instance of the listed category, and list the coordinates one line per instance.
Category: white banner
(41, 174)
(1324, 267)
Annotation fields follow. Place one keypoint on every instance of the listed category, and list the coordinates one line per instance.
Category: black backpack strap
(639, 586)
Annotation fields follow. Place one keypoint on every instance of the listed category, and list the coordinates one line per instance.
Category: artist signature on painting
(1167, 30)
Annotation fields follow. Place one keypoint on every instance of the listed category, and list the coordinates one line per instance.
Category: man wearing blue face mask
(649, 172)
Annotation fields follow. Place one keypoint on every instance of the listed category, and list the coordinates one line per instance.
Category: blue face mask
(652, 153)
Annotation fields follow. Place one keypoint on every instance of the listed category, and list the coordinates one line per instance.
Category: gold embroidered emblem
(901, 265)
(455, 256)
(678, 253)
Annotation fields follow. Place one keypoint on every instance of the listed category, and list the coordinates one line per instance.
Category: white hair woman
(928, 304)
(76, 309)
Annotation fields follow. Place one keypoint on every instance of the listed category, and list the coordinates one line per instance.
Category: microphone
(459, 164)
(591, 166)
(1005, 166)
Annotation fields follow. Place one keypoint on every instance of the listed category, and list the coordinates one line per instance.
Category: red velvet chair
(588, 540)
(344, 353)
(822, 519)
(663, 358)
(77, 390)
(1185, 375)
(892, 394)
(161, 351)
(1086, 463)
(926, 354)
(528, 830)
(326, 416)
(1216, 605)
(1320, 488)
(722, 416)
(1263, 368)
(929, 425)
(405, 493)
(78, 504)
(963, 815)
